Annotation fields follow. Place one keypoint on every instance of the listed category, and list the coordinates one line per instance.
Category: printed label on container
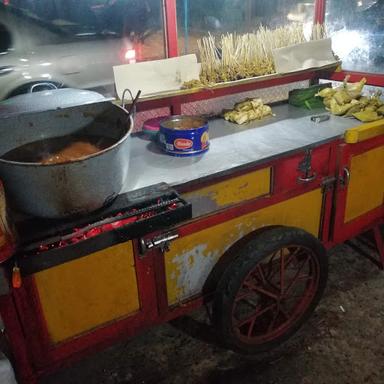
(183, 144)
(204, 140)
(162, 139)
(169, 147)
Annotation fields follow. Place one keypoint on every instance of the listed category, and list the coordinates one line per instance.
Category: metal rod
(186, 26)
(364, 253)
(376, 79)
(379, 243)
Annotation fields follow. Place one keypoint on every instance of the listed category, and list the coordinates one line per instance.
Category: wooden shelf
(166, 99)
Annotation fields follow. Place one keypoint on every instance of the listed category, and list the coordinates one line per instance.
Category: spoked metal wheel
(275, 293)
(270, 289)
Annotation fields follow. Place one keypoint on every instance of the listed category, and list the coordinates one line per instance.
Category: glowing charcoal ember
(172, 206)
(43, 248)
(128, 220)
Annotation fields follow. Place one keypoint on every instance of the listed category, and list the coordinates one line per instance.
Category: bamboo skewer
(235, 57)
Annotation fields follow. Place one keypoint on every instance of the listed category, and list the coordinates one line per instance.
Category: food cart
(245, 227)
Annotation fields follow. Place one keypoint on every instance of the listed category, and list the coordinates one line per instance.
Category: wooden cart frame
(41, 342)
(285, 196)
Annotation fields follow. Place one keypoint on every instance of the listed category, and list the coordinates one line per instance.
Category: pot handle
(132, 109)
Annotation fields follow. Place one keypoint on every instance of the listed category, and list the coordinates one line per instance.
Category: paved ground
(341, 344)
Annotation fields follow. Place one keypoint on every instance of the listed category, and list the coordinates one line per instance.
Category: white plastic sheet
(312, 54)
(158, 76)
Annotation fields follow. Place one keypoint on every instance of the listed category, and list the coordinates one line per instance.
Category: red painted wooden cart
(267, 202)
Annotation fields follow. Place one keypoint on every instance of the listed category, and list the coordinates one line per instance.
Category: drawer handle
(345, 178)
(307, 179)
(162, 241)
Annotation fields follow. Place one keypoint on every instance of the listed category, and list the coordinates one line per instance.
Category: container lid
(184, 123)
(48, 100)
(153, 125)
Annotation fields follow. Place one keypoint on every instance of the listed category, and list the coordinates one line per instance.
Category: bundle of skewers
(234, 56)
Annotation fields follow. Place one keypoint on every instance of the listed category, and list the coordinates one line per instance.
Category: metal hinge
(162, 241)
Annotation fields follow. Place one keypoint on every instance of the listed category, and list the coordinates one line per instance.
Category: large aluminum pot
(76, 187)
(48, 100)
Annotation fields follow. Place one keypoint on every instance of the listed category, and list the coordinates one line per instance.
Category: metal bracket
(305, 167)
(328, 184)
(162, 241)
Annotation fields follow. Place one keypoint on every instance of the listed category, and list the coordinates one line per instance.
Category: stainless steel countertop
(233, 146)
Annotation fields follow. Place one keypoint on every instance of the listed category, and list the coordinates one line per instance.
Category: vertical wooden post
(320, 6)
(170, 28)
(171, 39)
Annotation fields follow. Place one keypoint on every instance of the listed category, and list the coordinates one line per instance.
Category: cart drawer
(229, 192)
(287, 172)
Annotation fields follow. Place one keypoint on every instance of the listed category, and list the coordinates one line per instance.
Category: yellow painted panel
(191, 258)
(236, 189)
(366, 187)
(364, 132)
(82, 294)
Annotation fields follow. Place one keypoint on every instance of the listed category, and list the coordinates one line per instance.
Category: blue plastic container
(184, 135)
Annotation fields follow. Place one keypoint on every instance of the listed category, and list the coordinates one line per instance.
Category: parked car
(74, 46)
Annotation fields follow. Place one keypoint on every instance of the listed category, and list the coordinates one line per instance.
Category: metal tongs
(132, 109)
(320, 118)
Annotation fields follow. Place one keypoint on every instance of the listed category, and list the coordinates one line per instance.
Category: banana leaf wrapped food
(380, 110)
(247, 110)
(354, 89)
(367, 116)
(326, 92)
(347, 100)
(342, 97)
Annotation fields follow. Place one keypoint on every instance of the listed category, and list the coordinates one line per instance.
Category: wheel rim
(275, 294)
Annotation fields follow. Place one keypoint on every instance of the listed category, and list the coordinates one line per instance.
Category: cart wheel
(270, 289)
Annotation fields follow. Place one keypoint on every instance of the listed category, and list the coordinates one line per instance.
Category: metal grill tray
(36, 231)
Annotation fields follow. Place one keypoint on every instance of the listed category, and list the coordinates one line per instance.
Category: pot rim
(80, 159)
